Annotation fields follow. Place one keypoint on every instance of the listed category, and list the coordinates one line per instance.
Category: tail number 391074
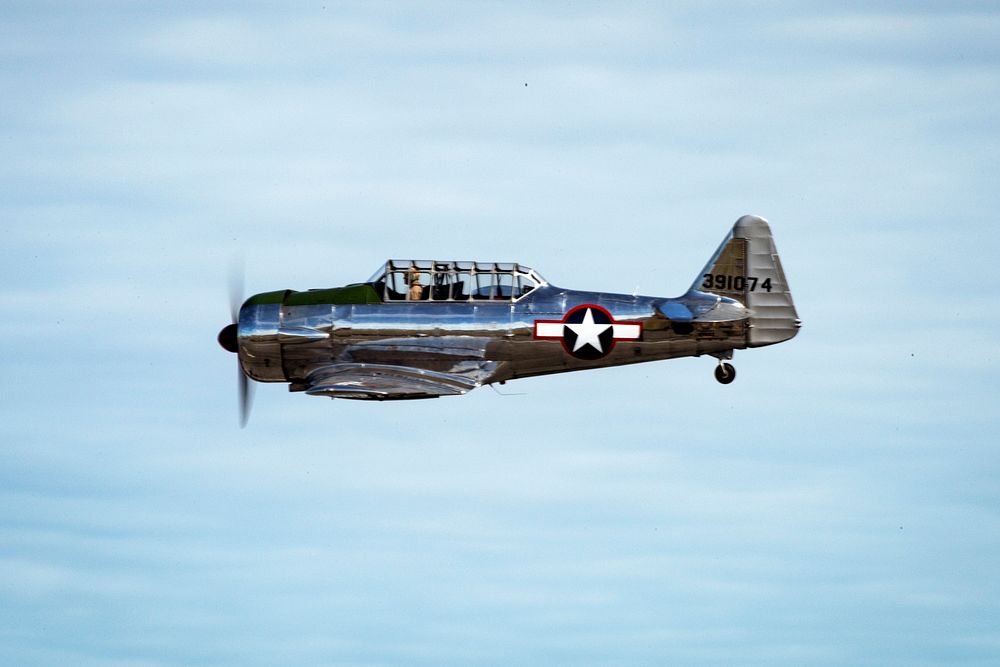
(737, 283)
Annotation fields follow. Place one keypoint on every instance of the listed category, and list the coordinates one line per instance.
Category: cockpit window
(409, 280)
(525, 284)
(505, 286)
(484, 285)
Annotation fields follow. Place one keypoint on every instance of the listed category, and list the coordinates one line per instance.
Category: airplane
(424, 329)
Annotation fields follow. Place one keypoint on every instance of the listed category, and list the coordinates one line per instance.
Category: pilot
(416, 291)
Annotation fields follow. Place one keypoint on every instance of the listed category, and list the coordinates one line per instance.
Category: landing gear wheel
(725, 373)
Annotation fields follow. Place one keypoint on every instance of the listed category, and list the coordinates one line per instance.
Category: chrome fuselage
(286, 343)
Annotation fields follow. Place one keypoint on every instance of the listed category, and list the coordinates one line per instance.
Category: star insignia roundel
(588, 331)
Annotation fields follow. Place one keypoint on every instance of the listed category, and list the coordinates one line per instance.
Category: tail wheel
(725, 373)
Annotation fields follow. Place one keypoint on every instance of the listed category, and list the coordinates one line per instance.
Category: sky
(837, 505)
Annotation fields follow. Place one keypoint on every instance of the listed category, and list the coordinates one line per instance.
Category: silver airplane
(424, 329)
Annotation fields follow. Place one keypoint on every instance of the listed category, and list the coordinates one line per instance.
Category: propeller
(246, 397)
(230, 341)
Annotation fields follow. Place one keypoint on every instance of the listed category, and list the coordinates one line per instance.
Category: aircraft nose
(227, 338)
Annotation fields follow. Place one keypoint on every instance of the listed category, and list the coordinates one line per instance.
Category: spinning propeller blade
(229, 338)
(246, 397)
(235, 281)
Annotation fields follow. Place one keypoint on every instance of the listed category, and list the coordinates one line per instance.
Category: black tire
(725, 373)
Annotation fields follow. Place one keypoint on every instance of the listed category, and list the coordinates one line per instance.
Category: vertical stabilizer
(746, 267)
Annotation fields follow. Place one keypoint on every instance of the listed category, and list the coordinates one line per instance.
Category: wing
(389, 382)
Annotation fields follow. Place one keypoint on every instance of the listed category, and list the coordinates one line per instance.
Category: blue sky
(837, 504)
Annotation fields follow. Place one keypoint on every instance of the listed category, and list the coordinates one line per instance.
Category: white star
(587, 332)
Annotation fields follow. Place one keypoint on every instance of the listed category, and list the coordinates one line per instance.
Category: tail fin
(746, 268)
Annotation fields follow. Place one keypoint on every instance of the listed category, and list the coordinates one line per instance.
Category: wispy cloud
(835, 505)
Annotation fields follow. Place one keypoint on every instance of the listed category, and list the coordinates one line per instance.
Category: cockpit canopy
(431, 280)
